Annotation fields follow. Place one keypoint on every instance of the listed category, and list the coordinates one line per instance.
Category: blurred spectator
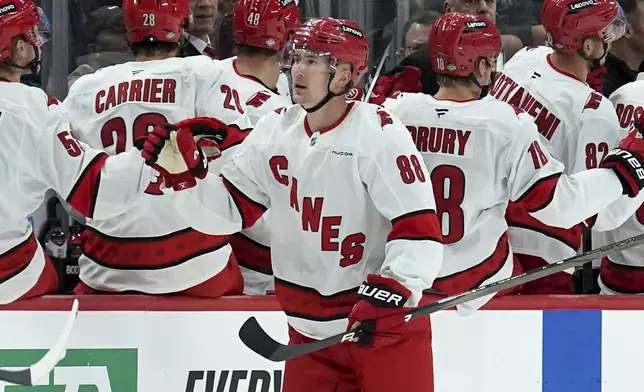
(225, 43)
(487, 8)
(626, 55)
(106, 42)
(517, 17)
(416, 32)
(414, 73)
(223, 9)
(204, 13)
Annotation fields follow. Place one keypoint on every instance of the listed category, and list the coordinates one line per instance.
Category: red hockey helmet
(569, 22)
(458, 39)
(21, 17)
(342, 40)
(264, 23)
(162, 20)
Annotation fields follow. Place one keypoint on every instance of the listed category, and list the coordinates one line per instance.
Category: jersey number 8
(448, 183)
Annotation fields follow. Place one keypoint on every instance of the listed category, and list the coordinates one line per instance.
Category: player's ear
(447, 6)
(480, 67)
(628, 31)
(341, 79)
(587, 47)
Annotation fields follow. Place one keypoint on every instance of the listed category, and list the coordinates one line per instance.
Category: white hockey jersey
(38, 151)
(623, 272)
(578, 127)
(481, 155)
(347, 201)
(148, 248)
(242, 100)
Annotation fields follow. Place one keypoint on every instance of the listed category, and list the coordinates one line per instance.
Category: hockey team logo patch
(476, 24)
(352, 31)
(582, 4)
(5, 9)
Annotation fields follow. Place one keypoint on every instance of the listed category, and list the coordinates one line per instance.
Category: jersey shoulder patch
(258, 99)
(593, 101)
(385, 117)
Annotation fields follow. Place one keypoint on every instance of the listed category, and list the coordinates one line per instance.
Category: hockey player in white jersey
(578, 126)
(38, 152)
(252, 84)
(150, 248)
(351, 204)
(623, 272)
(483, 154)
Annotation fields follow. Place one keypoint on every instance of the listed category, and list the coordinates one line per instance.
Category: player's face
(204, 13)
(310, 73)
(415, 39)
(486, 8)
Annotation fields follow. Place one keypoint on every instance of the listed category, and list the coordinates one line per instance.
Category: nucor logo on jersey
(477, 24)
(7, 8)
(582, 4)
(381, 295)
(352, 31)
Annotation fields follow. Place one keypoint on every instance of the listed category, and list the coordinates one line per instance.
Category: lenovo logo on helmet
(476, 24)
(352, 31)
(7, 8)
(582, 4)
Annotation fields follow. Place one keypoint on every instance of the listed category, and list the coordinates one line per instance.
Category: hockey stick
(388, 29)
(255, 338)
(31, 375)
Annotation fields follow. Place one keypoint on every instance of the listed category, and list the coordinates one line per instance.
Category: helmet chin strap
(329, 95)
(33, 66)
(595, 64)
(484, 87)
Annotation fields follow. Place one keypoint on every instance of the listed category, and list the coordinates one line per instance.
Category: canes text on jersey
(137, 90)
(506, 89)
(350, 248)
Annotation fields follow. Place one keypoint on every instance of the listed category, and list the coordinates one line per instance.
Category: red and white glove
(181, 152)
(407, 80)
(380, 312)
(595, 79)
(627, 161)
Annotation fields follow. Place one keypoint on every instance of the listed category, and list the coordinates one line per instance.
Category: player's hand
(209, 133)
(174, 153)
(627, 161)
(379, 313)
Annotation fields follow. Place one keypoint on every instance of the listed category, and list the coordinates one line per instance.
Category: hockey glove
(628, 162)
(209, 133)
(595, 79)
(174, 153)
(379, 313)
(405, 80)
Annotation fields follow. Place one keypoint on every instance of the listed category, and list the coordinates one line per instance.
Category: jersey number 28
(115, 130)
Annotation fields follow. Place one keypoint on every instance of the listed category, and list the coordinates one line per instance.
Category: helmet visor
(43, 31)
(614, 31)
(309, 60)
